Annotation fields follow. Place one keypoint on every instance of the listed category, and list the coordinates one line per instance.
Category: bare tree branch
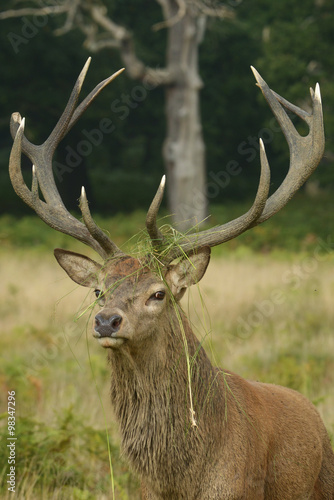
(112, 35)
(205, 7)
(122, 39)
(94, 45)
(171, 21)
(43, 11)
(99, 15)
(70, 18)
(165, 5)
(214, 9)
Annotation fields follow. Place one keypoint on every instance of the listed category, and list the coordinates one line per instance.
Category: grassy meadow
(265, 308)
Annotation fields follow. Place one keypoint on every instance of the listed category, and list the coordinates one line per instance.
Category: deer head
(134, 299)
(238, 440)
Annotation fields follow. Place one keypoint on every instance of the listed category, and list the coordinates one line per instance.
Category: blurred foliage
(290, 43)
(292, 369)
(68, 458)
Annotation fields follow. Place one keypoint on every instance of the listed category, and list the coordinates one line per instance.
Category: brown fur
(252, 441)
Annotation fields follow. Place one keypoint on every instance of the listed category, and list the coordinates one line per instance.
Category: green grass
(67, 457)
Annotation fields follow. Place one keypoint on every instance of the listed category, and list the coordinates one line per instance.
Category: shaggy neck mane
(150, 396)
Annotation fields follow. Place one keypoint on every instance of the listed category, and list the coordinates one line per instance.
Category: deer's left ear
(188, 271)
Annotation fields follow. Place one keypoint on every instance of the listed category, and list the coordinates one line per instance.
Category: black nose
(105, 327)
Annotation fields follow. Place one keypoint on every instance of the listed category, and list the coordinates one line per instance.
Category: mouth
(109, 342)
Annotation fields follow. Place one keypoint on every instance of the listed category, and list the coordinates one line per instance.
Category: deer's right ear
(80, 269)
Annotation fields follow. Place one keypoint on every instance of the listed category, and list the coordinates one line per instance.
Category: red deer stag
(191, 431)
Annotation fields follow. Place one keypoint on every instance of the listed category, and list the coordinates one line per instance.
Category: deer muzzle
(107, 326)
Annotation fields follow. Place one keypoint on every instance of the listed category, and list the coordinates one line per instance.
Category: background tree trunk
(184, 150)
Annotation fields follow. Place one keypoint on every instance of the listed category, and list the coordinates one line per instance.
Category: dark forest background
(291, 44)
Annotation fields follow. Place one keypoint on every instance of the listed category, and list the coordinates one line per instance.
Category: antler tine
(15, 172)
(305, 152)
(108, 246)
(61, 127)
(52, 211)
(221, 234)
(26, 146)
(41, 156)
(56, 217)
(151, 217)
(91, 96)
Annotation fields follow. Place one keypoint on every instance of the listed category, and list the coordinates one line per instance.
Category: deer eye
(160, 295)
(100, 296)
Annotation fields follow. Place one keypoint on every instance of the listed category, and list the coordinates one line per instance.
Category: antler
(305, 155)
(52, 211)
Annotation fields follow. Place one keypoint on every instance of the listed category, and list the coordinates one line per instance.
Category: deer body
(247, 445)
(190, 430)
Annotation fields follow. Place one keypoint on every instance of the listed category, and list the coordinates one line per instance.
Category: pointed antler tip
(259, 80)
(19, 126)
(83, 192)
(86, 66)
(265, 169)
(33, 170)
(114, 75)
(84, 72)
(163, 181)
(317, 94)
(255, 73)
(16, 116)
